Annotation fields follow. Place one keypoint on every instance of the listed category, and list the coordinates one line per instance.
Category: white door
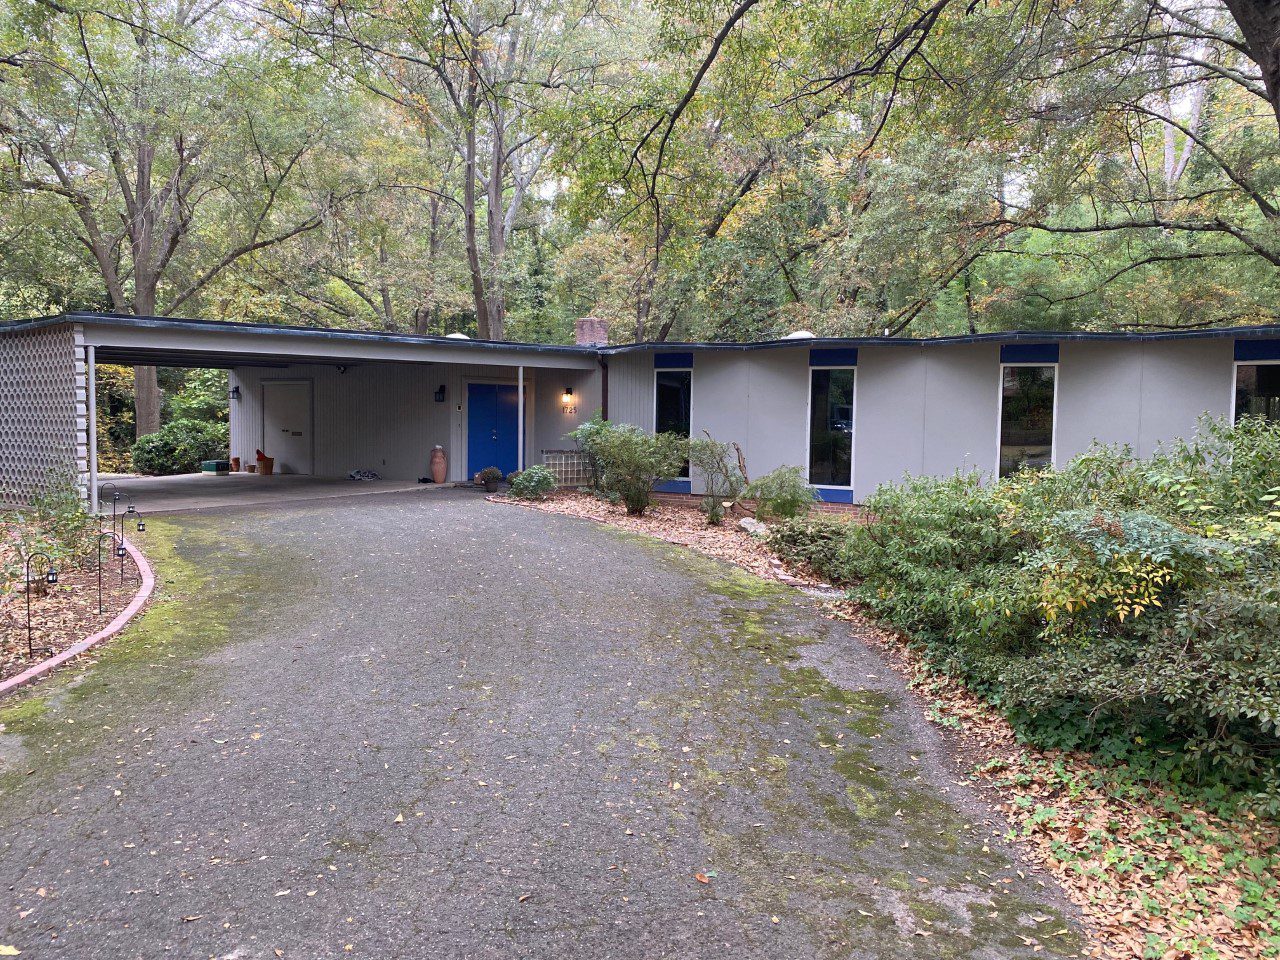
(286, 424)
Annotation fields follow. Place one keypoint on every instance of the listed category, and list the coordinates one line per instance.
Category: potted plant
(489, 478)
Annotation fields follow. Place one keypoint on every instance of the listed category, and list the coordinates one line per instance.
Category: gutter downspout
(604, 387)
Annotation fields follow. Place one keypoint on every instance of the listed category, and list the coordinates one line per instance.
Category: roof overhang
(167, 342)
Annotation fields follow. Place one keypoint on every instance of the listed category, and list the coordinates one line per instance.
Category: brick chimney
(591, 332)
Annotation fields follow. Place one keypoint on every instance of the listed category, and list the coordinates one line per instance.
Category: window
(675, 388)
(673, 392)
(1026, 417)
(831, 427)
(1258, 390)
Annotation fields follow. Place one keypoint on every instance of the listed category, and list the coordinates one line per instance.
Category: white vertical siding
(384, 416)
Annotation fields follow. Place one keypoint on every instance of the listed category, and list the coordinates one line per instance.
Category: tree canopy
(692, 169)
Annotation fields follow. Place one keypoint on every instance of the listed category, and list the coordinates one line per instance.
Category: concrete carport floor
(195, 491)
(441, 728)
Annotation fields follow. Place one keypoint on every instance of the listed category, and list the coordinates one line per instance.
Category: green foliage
(584, 436)
(180, 446)
(55, 523)
(1127, 607)
(489, 475)
(202, 396)
(630, 460)
(533, 483)
(717, 463)
(783, 493)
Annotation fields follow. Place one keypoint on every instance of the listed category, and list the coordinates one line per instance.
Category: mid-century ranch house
(854, 413)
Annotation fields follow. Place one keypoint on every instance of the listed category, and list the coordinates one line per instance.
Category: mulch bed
(64, 614)
(681, 524)
(1154, 875)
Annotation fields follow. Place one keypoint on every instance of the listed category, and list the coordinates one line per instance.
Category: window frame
(688, 467)
(1053, 440)
(808, 427)
(1235, 379)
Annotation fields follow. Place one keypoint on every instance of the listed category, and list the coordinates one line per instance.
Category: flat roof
(219, 352)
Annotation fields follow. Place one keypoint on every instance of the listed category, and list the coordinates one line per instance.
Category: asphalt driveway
(436, 727)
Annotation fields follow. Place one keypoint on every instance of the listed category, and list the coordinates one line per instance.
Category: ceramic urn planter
(439, 464)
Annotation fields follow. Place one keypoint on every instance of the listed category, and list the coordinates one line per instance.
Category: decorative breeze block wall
(44, 415)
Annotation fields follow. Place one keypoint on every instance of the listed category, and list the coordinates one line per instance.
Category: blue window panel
(834, 357)
(1258, 349)
(674, 486)
(834, 495)
(1029, 353)
(672, 361)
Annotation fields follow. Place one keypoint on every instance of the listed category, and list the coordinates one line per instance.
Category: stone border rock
(110, 630)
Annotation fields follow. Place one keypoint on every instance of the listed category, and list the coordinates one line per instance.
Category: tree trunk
(146, 401)
(469, 211)
(1259, 22)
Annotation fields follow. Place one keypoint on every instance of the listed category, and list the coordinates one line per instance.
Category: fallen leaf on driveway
(193, 918)
(7, 951)
(702, 878)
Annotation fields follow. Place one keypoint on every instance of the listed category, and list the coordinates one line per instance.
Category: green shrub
(1128, 607)
(532, 484)
(584, 436)
(783, 493)
(631, 461)
(56, 523)
(717, 464)
(817, 541)
(180, 446)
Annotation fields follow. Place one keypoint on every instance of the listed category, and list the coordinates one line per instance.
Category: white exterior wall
(934, 410)
(384, 417)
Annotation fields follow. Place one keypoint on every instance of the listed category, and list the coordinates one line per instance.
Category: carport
(322, 402)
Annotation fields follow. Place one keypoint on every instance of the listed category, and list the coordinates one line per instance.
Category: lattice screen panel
(43, 411)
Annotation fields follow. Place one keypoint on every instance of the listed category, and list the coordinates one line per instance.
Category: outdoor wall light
(567, 401)
(440, 394)
(234, 394)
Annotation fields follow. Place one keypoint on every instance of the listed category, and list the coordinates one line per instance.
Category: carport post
(520, 417)
(91, 362)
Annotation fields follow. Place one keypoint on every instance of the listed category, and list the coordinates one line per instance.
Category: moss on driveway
(403, 726)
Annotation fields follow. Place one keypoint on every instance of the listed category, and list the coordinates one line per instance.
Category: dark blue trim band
(834, 357)
(831, 495)
(674, 486)
(1258, 349)
(672, 361)
(1029, 353)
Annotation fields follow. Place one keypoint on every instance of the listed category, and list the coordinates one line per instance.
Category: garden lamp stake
(51, 577)
(112, 536)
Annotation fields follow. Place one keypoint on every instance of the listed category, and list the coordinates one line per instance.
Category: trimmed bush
(630, 461)
(717, 464)
(180, 446)
(781, 494)
(532, 484)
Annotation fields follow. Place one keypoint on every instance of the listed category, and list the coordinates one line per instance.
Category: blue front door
(492, 415)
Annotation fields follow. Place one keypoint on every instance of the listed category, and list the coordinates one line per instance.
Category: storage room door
(286, 424)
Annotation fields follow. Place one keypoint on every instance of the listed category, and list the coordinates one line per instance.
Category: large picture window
(1026, 417)
(831, 427)
(1258, 390)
